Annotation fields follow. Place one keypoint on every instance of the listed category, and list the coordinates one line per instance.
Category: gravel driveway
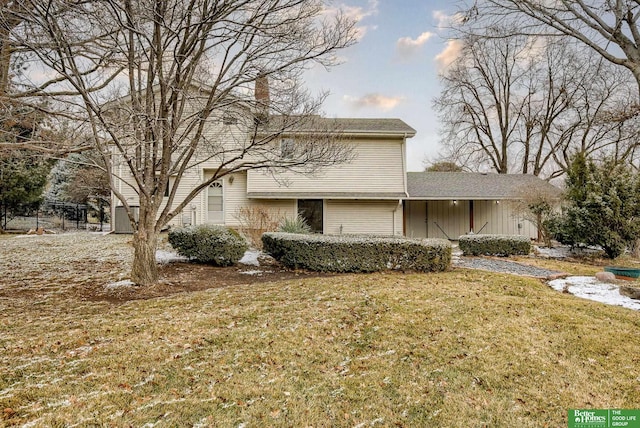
(503, 266)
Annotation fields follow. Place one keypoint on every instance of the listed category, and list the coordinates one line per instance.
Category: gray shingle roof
(472, 186)
(352, 126)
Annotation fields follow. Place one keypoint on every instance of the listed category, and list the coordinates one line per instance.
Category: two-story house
(372, 193)
(364, 195)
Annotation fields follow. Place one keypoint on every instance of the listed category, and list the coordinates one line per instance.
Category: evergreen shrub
(602, 206)
(209, 244)
(494, 245)
(357, 253)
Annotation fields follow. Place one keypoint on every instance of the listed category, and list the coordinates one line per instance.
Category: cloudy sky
(393, 71)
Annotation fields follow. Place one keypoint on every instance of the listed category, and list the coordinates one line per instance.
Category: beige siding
(189, 180)
(416, 219)
(376, 168)
(369, 217)
(489, 217)
(235, 197)
(501, 219)
(188, 214)
(452, 218)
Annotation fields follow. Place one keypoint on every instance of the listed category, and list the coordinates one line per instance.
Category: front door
(311, 211)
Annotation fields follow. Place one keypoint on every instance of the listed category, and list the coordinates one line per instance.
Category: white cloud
(357, 14)
(450, 53)
(406, 46)
(445, 21)
(376, 101)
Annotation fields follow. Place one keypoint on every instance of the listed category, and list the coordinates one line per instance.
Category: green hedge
(209, 244)
(494, 245)
(355, 253)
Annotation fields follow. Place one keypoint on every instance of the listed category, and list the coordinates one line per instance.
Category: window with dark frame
(286, 148)
(311, 210)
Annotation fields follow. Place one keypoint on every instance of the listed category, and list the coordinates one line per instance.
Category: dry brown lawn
(455, 349)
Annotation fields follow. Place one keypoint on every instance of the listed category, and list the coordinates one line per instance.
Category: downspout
(203, 200)
(393, 217)
(405, 188)
(404, 165)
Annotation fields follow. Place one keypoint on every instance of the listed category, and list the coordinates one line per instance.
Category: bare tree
(598, 24)
(537, 204)
(148, 79)
(478, 105)
(27, 124)
(518, 103)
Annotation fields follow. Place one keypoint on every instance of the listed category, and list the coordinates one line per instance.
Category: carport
(450, 204)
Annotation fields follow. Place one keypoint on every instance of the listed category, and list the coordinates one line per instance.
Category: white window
(215, 203)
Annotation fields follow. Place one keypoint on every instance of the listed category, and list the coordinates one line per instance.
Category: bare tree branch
(150, 81)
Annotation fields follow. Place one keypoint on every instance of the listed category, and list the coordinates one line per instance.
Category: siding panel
(501, 219)
(446, 219)
(376, 168)
(416, 219)
(236, 198)
(363, 217)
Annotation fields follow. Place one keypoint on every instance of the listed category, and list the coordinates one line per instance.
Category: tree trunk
(5, 61)
(635, 249)
(144, 270)
(539, 221)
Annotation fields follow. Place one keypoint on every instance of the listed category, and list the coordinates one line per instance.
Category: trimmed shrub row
(209, 244)
(356, 253)
(494, 245)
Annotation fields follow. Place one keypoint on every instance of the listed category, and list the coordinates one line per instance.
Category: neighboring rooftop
(473, 186)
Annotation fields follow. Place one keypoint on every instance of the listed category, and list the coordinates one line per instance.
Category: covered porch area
(451, 218)
(450, 204)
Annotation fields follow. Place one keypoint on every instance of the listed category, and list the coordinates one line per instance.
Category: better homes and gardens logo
(599, 418)
(588, 418)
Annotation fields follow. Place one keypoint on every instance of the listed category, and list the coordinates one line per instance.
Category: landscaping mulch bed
(182, 277)
(36, 268)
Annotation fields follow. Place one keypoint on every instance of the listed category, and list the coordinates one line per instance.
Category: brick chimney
(261, 92)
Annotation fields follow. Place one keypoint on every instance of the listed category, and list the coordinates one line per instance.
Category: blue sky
(393, 70)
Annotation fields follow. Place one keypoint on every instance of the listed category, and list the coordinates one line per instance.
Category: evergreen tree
(603, 206)
(22, 181)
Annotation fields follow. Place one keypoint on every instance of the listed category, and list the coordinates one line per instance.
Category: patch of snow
(588, 287)
(552, 252)
(252, 272)
(565, 251)
(83, 350)
(120, 284)
(62, 403)
(32, 423)
(250, 258)
(164, 257)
